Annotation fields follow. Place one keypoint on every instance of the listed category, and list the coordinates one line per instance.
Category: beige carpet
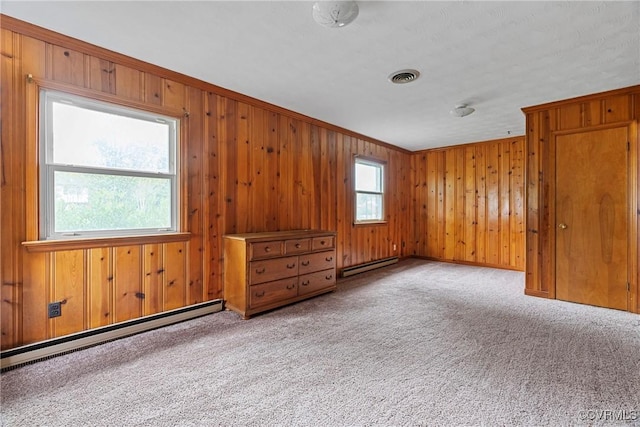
(419, 343)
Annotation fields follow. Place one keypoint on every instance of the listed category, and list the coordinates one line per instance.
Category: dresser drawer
(272, 269)
(324, 242)
(297, 246)
(316, 281)
(317, 261)
(265, 249)
(272, 292)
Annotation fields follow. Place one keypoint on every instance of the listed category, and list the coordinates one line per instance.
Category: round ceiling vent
(404, 76)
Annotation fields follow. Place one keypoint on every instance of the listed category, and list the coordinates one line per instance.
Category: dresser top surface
(279, 235)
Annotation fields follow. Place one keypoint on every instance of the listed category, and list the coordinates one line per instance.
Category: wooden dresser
(263, 271)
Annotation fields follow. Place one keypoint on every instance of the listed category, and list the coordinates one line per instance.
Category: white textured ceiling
(495, 56)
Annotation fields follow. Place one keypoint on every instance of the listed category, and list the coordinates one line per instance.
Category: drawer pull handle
(259, 295)
(329, 277)
(329, 259)
(291, 286)
(306, 283)
(261, 270)
(298, 245)
(290, 266)
(322, 242)
(305, 263)
(267, 249)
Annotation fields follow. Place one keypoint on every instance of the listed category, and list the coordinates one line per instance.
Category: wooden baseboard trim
(475, 264)
(534, 293)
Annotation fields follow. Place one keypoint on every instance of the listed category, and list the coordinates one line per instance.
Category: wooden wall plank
(67, 65)
(129, 83)
(481, 204)
(36, 295)
(174, 93)
(421, 219)
(229, 141)
(196, 193)
(10, 177)
(315, 176)
(258, 194)
(617, 108)
(343, 222)
(570, 116)
(492, 204)
(533, 183)
(214, 200)
(153, 90)
(460, 213)
(470, 206)
(505, 202)
(33, 57)
(99, 287)
(517, 185)
(441, 206)
(305, 177)
(127, 276)
(347, 198)
(100, 74)
(270, 174)
(450, 205)
(243, 167)
(154, 278)
(69, 289)
(430, 206)
(175, 292)
(284, 174)
(329, 176)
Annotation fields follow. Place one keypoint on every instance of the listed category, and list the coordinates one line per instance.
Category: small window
(105, 170)
(369, 190)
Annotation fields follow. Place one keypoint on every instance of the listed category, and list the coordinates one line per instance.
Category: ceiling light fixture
(462, 110)
(335, 14)
(404, 76)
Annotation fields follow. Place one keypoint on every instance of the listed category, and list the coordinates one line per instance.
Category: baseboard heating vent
(30, 353)
(361, 268)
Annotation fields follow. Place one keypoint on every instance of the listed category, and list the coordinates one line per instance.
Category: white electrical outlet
(395, 247)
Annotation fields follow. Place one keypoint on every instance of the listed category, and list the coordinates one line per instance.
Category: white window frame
(370, 162)
(48, 168)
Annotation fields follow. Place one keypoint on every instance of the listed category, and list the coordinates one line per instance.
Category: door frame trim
(633, 209)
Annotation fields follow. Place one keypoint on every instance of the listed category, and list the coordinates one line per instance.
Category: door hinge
(628, 146)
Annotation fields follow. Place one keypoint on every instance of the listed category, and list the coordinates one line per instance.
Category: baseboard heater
(56, 346)
(361, 268)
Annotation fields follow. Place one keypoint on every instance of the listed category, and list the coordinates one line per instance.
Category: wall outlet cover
(55, 309)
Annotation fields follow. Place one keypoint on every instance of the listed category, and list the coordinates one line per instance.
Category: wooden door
(591, 219)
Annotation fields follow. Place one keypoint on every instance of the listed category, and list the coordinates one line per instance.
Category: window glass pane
(368, 177)
(369, 207)
(84, 137)
(94, 202)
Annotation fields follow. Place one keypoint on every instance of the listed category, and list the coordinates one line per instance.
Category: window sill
(103, 242)
(368, 223)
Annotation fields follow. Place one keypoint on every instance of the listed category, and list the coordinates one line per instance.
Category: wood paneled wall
(584, 113)
(246, 166)
(468, 203)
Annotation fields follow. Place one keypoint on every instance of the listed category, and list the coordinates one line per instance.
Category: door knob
(562, 226)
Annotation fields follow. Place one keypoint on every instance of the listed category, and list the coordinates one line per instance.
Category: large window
(369, 190)
(105, 170)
